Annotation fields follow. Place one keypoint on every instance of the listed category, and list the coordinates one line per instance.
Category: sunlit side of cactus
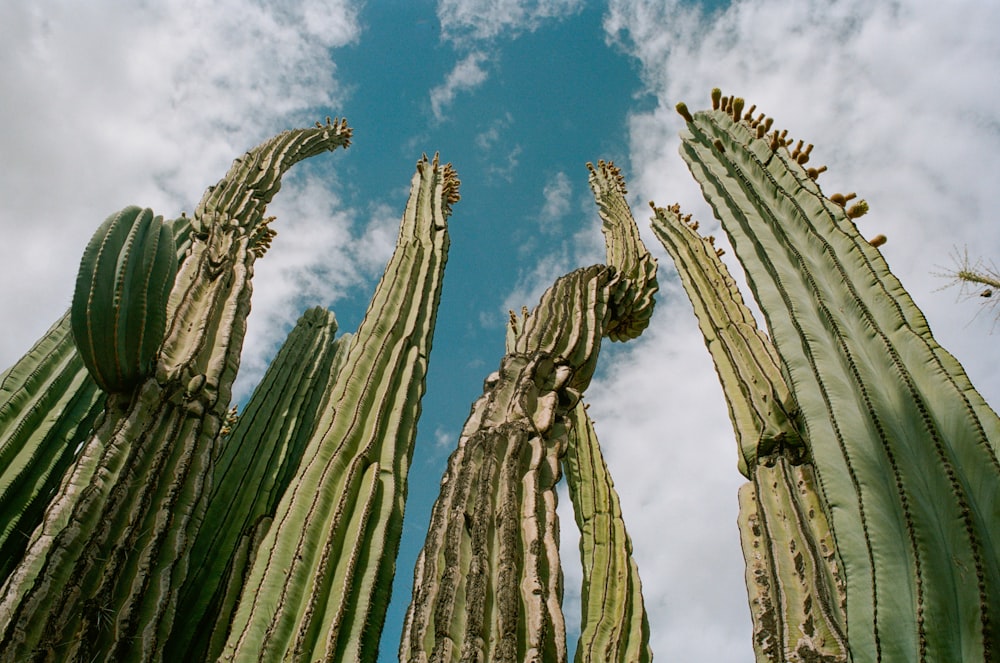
(100, 577)
(793, 580)
(904, 448)
(487, 584)
(261, 451)
(322, 589)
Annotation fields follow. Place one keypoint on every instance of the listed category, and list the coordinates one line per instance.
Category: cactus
(259, 456)
(487, 584)
(614, 626)
(96, 579)
(795, 588)
(322, 590)
(119, 306)
(905, 450)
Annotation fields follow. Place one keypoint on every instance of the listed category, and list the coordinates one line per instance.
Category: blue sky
(103, 106)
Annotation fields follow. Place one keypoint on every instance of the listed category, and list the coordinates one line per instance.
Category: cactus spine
(95, 582)
(487, 584)
(904, 448)
(308, 601)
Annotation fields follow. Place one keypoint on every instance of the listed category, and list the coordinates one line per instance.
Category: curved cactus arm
(103, 569)
(322, 589)
(759, 401)
(615, 626)
(487, 584)
(793, 579)
(48, 404)
(258, 459)
(904, 448)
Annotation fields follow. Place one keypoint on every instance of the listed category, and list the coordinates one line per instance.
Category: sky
(106, 104)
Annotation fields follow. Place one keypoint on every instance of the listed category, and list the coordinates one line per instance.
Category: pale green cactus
(795, 589)
(322, 590)
(905, 450)
(487, 584)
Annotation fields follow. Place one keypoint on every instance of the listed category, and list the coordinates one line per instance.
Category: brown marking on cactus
(718, 145)
(682, 108)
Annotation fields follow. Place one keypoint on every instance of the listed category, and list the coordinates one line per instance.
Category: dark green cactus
(119, 306)
(258, 460)
(904, 448)
(487, 584)
(96, 582)
(322, 590)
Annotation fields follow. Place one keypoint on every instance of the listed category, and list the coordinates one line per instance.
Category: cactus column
(99, 579)
(904, 448)
(487, 584)
(796, 590)
(322, 589)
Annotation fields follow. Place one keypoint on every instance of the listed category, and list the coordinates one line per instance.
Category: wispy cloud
(558, 192)
(475, 20)
(468, 74)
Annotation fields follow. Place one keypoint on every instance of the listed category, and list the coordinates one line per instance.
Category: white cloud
(467, 75)
(557, 192)
(107, 105)
(463, 20)
(896, 98)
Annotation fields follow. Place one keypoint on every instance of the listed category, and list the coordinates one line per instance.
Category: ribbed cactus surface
(119, 305)
(99, 578)
(258, 459)
(322, 589)
(614, 626)
(904, 448)
(487, 584)
(793, 579)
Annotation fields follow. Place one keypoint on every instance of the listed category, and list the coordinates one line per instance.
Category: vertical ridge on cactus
(904, 448)
(614, 625)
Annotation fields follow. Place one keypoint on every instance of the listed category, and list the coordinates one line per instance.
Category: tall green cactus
(487, 584)
(793, 579)
(97, 579)
(905, 450)
(322, 589)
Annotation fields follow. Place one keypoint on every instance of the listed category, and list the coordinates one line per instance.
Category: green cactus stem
(119, 306)
(322, 589)
(614, 626)
(98, 579)
(48, 404)
(793, 578)
(487, 584)
(259, 457)
(904, 448)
